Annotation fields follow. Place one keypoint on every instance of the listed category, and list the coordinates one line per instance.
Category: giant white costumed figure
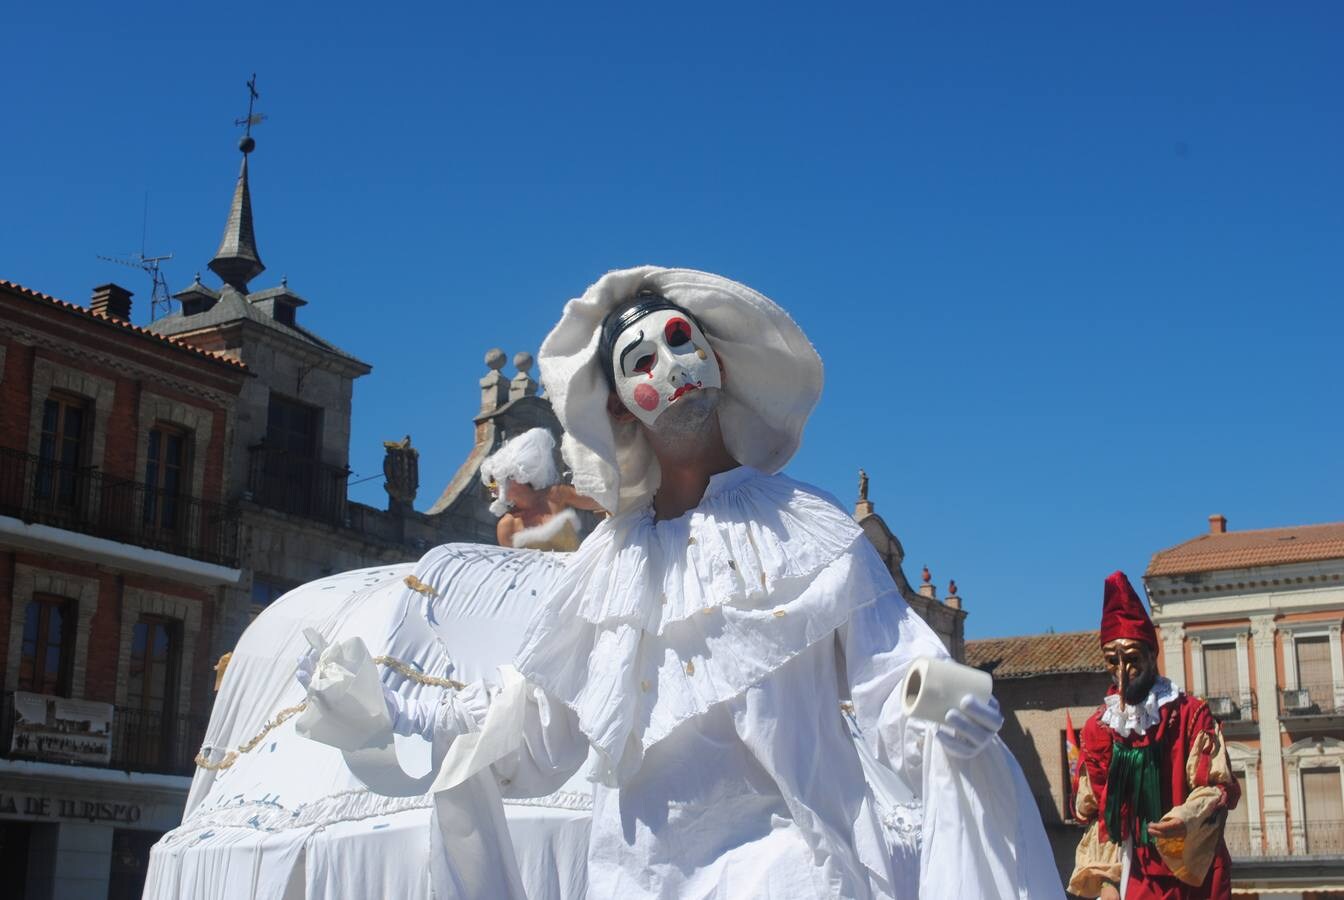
(721, 658)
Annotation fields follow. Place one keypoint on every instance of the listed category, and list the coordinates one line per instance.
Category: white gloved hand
(966, 731)
(347, 706)
(304, 668)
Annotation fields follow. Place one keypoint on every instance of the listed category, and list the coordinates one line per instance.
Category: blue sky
(1075, 270)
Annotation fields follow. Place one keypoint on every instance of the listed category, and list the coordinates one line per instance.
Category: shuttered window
(1324, 810)
(1220, 671)
(1313, 670)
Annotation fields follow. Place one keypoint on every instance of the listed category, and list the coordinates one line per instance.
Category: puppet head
(523, 462)
(1128, 640)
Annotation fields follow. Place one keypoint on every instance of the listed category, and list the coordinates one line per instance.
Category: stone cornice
(116, 363)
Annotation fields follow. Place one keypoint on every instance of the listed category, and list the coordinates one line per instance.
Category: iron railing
(1232, 708)
(83, 499)
(1316, 699)
(297, 485)
(142, 741)
(1323, 838)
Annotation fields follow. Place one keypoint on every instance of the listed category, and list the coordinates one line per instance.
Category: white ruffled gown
(730, 676)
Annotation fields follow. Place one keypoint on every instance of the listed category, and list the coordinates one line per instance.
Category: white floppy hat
(772, 380)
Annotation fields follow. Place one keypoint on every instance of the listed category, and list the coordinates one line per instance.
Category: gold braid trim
(415, 675)
(290, 712)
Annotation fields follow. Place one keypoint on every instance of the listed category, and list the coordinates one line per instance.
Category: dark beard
(1137, 691)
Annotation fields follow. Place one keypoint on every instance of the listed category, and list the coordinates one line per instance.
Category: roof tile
(1037, 654)
(122, 323)
(1250, 549)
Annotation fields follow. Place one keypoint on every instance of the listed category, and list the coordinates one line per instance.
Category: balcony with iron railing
(1310, 700)
(297, 485)
(141, 741)
(86, 500)
(1237, 714)
(1317, 839)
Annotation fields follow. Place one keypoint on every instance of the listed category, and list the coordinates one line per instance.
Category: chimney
(111, 300)
(1217, 524)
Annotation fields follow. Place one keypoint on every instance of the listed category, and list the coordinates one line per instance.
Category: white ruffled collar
(644, 628)
(1124, 719)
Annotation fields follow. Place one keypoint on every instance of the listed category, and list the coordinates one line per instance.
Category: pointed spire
(236, 261)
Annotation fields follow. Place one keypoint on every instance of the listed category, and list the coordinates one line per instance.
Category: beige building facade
(1251, 621)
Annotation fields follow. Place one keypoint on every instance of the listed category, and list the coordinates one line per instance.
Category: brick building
(1038, 680)
(1251, 621)
(115, 544)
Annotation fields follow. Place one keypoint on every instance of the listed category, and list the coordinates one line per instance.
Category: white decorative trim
(1173, 653)
(1246, 760)
(30, 580)
(137, 602)
(49, 375)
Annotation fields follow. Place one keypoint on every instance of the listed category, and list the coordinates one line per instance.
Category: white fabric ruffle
(653, 623)
(773, 379)
(1124, 719)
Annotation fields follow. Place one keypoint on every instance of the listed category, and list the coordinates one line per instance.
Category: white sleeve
(982, 834)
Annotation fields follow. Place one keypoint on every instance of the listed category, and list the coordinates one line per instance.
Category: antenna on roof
(160, 301)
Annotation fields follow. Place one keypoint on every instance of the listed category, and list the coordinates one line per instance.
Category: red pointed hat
(1122, 613)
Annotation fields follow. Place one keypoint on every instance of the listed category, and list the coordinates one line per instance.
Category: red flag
(1075, 758)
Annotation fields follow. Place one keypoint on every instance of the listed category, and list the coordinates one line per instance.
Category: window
(155, 649)
(61, 450)
(293, 427)
(164, 479)
(1323, 813)
(47, 654)
(1313, 670)
(1220, 671)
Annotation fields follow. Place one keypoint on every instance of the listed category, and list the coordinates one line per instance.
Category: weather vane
(247, 144)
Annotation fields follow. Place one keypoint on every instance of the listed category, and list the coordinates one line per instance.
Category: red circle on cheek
(646, 397)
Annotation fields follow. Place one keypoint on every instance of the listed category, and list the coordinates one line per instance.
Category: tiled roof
(1037, 654)
(31, 294)
(1249, 549)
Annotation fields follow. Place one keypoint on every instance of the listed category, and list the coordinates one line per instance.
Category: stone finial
(927, 589)
(494, 386)
(401, 468)
(523, 384)
(952, 599)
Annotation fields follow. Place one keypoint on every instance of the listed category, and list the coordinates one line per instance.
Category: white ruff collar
(652, 623)
(1124, 719)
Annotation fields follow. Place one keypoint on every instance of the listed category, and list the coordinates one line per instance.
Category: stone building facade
(1251, 621)
(1042, 682)
(116, 544)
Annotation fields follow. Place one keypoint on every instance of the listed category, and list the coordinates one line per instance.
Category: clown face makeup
(659, 359)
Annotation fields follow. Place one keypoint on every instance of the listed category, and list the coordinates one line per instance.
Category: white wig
(772, 380)
(528, 458)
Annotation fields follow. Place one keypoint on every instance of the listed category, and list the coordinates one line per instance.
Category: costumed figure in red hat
(1156, 783)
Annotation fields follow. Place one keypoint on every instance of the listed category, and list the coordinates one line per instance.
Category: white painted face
(658, 360)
